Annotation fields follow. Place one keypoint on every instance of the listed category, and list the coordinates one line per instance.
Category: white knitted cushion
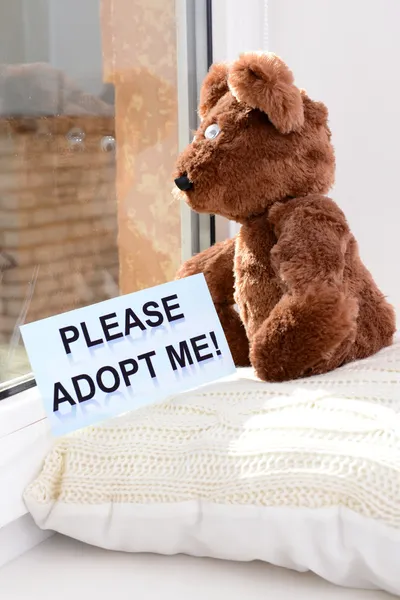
(304, 475)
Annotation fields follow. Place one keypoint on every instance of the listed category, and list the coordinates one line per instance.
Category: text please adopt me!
(130, 324)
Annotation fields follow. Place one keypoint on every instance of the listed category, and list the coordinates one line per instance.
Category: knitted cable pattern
(331, 440)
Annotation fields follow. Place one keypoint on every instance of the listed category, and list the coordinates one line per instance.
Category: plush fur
(307, 303)
(263, 81)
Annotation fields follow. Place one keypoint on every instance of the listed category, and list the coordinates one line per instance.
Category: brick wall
(58, 217)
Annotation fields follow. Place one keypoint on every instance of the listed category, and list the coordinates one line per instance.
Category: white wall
(347, 53)
(237, 26)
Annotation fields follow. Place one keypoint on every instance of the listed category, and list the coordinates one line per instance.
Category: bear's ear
(215, 86)
(263, 81)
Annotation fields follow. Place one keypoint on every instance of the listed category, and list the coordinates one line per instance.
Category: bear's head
(260, 140)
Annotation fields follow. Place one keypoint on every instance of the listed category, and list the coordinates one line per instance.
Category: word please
(156, 313)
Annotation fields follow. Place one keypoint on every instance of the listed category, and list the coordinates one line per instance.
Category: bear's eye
(212, 131)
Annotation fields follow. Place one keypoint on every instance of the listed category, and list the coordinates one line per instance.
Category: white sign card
(99, 361)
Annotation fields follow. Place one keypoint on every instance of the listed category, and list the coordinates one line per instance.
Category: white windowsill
(24, 440)
(20, 410)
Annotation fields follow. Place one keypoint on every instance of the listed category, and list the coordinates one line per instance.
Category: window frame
(16, 386)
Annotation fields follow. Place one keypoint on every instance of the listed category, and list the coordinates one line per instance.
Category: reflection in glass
(88, 138)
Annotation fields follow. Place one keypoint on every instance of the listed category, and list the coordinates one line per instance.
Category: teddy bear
(292, 294)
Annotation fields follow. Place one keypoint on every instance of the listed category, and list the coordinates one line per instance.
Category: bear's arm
(312, 238)
(217, 265)
(312, 327)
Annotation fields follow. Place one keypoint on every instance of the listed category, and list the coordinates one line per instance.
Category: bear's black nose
(183, 183)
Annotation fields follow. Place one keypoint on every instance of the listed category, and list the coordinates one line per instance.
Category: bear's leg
(305, 334)
(216, 263)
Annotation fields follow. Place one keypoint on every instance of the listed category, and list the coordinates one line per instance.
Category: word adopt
(109, 358)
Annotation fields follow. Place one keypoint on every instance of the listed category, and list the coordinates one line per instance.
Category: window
(95, 99)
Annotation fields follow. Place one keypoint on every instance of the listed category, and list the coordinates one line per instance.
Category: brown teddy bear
(262, 156)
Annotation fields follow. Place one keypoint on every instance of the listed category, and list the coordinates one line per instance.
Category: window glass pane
(88, 140)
